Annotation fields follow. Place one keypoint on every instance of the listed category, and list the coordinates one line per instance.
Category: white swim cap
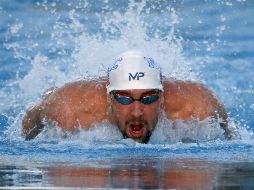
(133, 70)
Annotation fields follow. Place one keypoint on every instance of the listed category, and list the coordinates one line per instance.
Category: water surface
(46, 44)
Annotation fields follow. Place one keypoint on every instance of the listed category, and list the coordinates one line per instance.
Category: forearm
(223, 120)
(32, 123)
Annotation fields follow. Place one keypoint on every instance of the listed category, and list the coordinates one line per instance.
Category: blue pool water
(47, 43)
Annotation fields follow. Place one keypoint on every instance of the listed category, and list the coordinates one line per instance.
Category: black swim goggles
(147, 98)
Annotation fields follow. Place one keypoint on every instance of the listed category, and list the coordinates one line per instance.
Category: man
(132, 98)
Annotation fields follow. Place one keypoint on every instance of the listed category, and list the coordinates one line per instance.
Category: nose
(137, 109)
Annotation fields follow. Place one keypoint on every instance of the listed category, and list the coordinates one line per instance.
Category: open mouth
(136, 130)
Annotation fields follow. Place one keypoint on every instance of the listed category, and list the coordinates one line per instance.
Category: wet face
(135, 112)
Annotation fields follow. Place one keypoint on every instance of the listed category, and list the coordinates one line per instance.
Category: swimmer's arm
(32, 123)
(186, 100)
(221, 114)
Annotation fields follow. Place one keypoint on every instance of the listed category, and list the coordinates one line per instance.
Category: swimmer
(132, 97)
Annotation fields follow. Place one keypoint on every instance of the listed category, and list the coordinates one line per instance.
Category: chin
(143, 140)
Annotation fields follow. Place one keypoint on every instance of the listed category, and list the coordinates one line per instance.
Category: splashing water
(80, 39)
(78, 53)
(47, 43)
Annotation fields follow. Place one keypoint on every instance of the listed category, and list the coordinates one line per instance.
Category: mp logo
(136, 75)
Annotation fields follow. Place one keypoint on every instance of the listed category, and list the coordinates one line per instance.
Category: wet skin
(81, 104)
(135, 120)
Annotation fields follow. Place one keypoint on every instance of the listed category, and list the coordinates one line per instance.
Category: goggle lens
(149, 99)
(126, 100)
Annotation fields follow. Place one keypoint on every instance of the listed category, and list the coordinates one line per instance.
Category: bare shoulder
(74, 105)
(77, 104)
(81, 87)
(186, 100)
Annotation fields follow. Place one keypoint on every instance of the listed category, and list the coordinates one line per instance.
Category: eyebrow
(151, 92)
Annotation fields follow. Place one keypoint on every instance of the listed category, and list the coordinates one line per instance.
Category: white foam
(101, 132)
(92, 53)
(166, 132)
(192, 131)
(16, 27)
(41, 77)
